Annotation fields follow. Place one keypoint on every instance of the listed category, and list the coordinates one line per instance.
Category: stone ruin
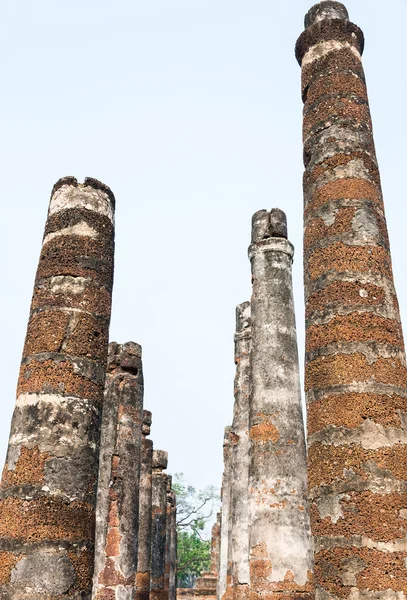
(86, 509)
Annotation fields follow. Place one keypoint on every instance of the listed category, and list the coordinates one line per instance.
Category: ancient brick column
(280, 542)
(239, 506)
(145, 515)
(48, 490)
(119, 475)
(172, 590)
(356, 379)
(158, 536)
(225, 530)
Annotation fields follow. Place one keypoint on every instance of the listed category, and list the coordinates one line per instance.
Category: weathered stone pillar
(356, 378)
(215, 545)
(119, 474)
(224, 531)
(280, 541)
(145, 515)
(158, 537)
(239, 508)
(172, 591)
(170, 499)
(48, 490)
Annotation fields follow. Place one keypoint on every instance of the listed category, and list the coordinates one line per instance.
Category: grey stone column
(172, 591)
(119, 474)
(48, 488)
(145, 515)
(281, 561)
(224, 531)
(215, 545)
(158, 536)
(239, 509)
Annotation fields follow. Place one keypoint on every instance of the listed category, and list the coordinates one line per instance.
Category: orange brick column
(48, 489)
(117, 510)
(356, 378)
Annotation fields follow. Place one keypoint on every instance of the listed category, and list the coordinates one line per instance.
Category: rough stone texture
(168, 535)
(224, 576)
(145, 515)
(48, 490)
(356, 378)
(281, 562)
(172, 589)
(159, 517)
(119, 474)
(239, 504)
(215, 545)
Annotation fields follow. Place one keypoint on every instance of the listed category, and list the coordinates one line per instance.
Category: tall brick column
(239, 507)
(280, 542)
(225, 522)
(48, 489)
(145, 515)
(158, 536)
(356, 379)
(119, 474)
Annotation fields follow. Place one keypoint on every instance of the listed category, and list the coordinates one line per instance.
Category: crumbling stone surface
(170, 542)
(356, 378)
(224, 576)
(281, 561)
(159, 526)
(117, 512)
(145, 515)
(239, 503)
(172, 559)
(48, 489)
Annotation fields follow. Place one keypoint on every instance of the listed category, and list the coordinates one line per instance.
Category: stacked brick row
(265, 545)
(356, 377)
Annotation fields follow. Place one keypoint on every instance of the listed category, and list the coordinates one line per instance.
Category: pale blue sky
(190, 111)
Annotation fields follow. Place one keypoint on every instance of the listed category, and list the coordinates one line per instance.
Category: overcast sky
(190, 110)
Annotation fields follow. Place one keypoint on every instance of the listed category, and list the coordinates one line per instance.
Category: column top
(243, 317)
(88, 182)
(269, 233)
(125, 356)
(147, 420)
(269, 224)
(328, 22)
(160, 459)
(327, 9)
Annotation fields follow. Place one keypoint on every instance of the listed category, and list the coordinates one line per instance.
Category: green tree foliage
(193, 557)
(194, 510)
